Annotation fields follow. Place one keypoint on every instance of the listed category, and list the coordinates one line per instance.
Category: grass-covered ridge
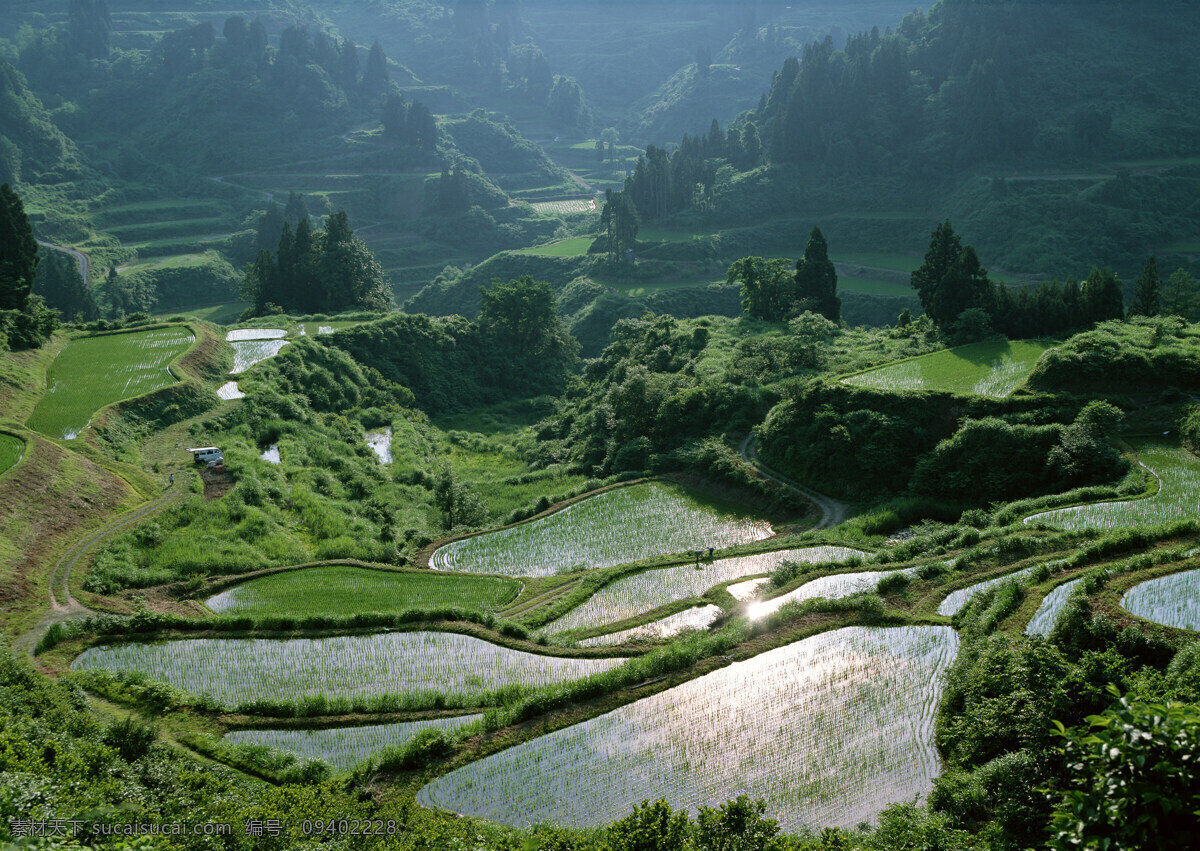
(340, 589)
(11, 450)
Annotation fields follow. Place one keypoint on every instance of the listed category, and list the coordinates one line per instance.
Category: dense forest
(542, 425)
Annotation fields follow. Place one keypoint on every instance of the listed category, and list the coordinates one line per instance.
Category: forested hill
(1021, 120)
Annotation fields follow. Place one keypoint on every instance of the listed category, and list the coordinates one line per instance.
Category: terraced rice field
(1170, 600)
(11, 449)
(341, 589)
(271, 454)
(830, 587)
(1179, 473)
(565, 208)
(380, 441)
(747, 590)
(92, 372)
(576, 247)
(828, 731)
(618, 526)
(229, 391)
(993, 369)
(239, 670)
(1046, 616)
(701, 617)
(254, 345)
(645, 591)
(957, 599)
(344, 747)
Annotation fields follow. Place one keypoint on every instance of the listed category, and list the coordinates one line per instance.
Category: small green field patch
(240, 670)
(11, 449)
(1179, 472)
(993, 369)
(575, 247)
(1170, 600)
(871, 286)
(92, 372)
(343, 747)
(828, 731)
(344, 590)
(618, 526)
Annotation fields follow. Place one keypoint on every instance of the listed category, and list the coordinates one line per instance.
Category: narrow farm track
(63, 605)
(519, 606)
(84, 262)
(833, 512)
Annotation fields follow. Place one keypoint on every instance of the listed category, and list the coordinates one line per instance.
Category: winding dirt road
(832, 511)
(80, 258)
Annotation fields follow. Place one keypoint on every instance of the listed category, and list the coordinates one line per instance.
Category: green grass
(325, 326)
(240, 670)
(646, 591)
(1177, 498)
(343, 747)
(993, 369)
(576, 247)
(879, 260)
(622, 525)
(96, 371)
(957, 599)
(1170, 600)
(873, 287)
(347, 590)
(11, 449)
(828, 731)
(217, 314)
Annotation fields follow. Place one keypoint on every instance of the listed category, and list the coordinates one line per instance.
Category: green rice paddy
(96, 371)
(341, 590)
(1046, 616)
(618, 526)
(830, 587)
(701, 617)
(343, 747)
(645, 591)
(576, 247)
(11, 449)
(1170, 600)
(992, 369)
(240, 670)
(957, 599)
(828, 731)
(1179, 494)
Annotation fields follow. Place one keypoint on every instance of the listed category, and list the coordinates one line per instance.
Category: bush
(131, 738)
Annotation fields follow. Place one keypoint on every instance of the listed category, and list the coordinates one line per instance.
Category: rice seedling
(380, 441)
(747, 590)
(565, 208)
(701, 617)
(1170, 600)
(1178, 472)
(238, 670)
(96, 371)
(642, 592)
(341, 590)
(828, 731)
(229, 391)
(957, 599)
(830, 587)
(1046, 616)
(343, 747)
(11, 449)
(993, 369)
(615, 527)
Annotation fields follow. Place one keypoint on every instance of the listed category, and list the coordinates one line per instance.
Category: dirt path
(832, 511)
(80, 257)
(63, 605)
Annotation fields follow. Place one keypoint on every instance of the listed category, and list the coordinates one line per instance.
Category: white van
(207, 455)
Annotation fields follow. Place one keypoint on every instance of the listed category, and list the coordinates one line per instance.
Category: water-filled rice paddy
(830, 587)
(96, 371)
(246, 353)
(828, 731)
(1170, 600)
(957, 599)
(239, 335)
(618, 526)
(1046, 616)
(701, 617)
(344, 590)
(238, 670)
(992, 369)
(344, 747)
(271, 454)
(1178, 471)
(380, 441)
(642, 592)
(747, 590)
(229, 391)
(11, 449)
